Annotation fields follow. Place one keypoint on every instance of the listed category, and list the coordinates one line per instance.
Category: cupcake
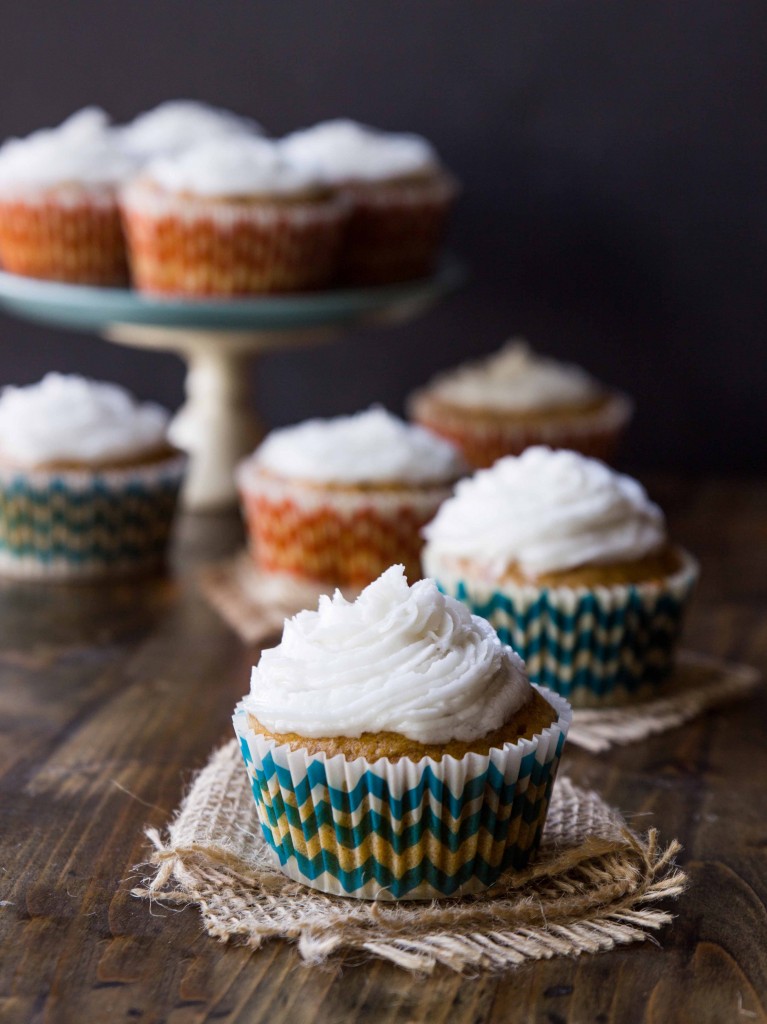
(400, 193)
(59, 218)
(395, 747)
(515, 398)
(571, 562)
(177, 125)
(231, 216)
(337, 501)
(88, 482)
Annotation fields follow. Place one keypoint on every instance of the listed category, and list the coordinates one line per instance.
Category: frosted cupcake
(177, 125)
(515, 398)
(400, 192)
(59, 218)
(395, 747)
(338, 500)
(572, 564)
(231, 216)
(88, 482)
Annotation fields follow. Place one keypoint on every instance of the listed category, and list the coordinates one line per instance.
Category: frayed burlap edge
(697, 684)
(594, 885)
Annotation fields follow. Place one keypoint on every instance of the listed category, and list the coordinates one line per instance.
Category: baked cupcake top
(369, 447)
(68, 419)
(401, 659)
(234, 167)
(516, 379)
(343, 150)
(546, 511)
(82, 150)
(178, 124)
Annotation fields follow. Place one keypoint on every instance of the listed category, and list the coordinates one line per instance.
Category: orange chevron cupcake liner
(339, 535)
(484, 439)
(63, 236)
(395, 231)
(208, 247)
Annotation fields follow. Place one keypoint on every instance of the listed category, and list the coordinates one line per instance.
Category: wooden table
(110, 698)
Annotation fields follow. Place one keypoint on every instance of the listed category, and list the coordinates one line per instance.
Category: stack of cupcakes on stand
(338, 501)
(395, 747)
(88, 481)
(571, 562)
(515, 398)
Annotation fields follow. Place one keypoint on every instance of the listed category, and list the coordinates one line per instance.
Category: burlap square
(255, 606)
(594, 885)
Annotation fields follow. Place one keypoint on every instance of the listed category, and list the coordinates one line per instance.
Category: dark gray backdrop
(614, 158)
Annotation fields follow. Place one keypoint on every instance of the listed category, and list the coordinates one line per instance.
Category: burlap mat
(594, 885)
(255, 606)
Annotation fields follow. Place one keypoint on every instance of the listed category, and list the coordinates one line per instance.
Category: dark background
(614, 159)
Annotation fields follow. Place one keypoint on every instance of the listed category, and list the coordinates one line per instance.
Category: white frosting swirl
(84, 149)
(399, 659)
(369, 446)
(343, 150)
(516, 379)
(178, 124)
(70, 419)
(235, 166)
(545, 511)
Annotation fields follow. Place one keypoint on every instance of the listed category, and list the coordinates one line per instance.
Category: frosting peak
(70, 419)
(546, 511)
(177, 124)
(343, 150)
(399, 659)
(516, 379)
(83, 148)
(370, 446)
(238, 165)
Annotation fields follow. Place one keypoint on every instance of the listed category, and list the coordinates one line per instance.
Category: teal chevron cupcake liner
(596, 646)
(81, 524)
(404, 830)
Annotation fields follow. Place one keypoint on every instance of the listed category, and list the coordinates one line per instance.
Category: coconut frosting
(84, 149)
(516, 379)
(67, 418)
(401, 659)
(545, 511)
(371, 446)
(234, 166)
(178, 124)
(344, 150)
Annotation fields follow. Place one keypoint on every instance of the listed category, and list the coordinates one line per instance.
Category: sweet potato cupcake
(515, 398)
(395, 747)
(400, 194)
(88, 481)
(337, 501)
(59, 218)
(571, 562)
(176, 125)
(229, 217)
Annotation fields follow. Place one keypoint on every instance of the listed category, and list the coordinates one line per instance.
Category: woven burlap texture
(594, 885)
(255, 606)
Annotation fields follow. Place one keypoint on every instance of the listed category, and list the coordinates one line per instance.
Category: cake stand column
(215, 425)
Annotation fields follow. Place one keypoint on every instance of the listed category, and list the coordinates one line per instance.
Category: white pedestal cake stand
(219, 340)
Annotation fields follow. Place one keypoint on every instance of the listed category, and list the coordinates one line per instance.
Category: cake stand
(219, 339)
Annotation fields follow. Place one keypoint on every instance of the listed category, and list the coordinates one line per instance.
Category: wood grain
(111, 697)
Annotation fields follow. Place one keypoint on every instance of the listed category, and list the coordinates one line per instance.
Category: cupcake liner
(195, 246)
(403, 830)
(595, 645)
(73, 524)
(341, 535)
(395, 230)
(486, 437)
(63, 234)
